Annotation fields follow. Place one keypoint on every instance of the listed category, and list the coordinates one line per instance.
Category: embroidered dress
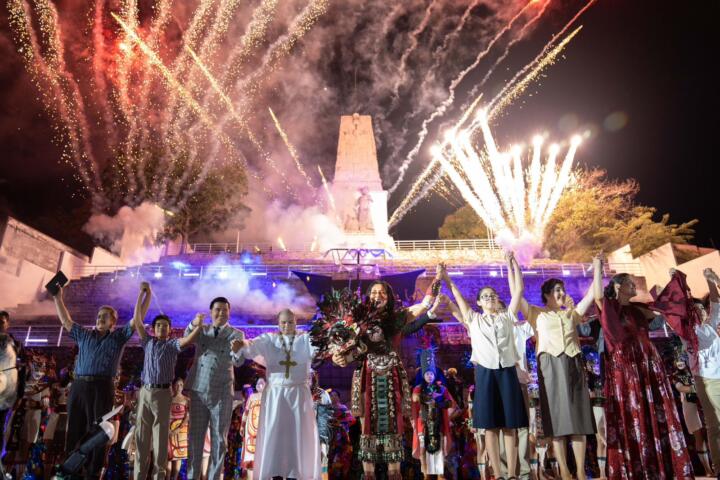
(644, 434)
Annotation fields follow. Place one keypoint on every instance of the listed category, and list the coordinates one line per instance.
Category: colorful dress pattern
(178, 438)
(644, 434)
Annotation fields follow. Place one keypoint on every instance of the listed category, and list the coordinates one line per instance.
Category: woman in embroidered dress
(380, 390)
(644, 434)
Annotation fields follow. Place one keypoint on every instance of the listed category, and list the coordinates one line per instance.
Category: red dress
(644, 434)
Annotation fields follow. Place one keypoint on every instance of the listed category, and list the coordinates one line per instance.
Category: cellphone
(55, 283)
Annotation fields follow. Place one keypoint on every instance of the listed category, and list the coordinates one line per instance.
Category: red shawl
(676, 304)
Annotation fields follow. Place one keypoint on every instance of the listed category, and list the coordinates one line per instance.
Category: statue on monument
(360, 219)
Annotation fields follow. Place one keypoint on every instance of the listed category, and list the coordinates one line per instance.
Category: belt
(157, 385)
(93, 378)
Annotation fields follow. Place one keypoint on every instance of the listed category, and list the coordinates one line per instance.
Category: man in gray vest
(210, 383)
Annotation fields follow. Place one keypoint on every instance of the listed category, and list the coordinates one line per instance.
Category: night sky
(651, 60)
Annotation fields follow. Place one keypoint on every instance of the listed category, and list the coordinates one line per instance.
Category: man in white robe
(287, 444)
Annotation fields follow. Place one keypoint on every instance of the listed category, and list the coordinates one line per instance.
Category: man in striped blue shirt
(153, 408)
(92, 391)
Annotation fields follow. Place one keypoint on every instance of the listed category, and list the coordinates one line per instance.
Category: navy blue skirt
(498, 400)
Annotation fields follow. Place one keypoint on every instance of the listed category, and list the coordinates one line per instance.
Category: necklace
(288, 362)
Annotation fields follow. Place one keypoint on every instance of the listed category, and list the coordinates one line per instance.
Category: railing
(400, 245)
(469, 244)
(221, 272)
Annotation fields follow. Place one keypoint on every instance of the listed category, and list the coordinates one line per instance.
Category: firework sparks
(331, 199)
(402, 72)
(451, 97)
(542, 55)
(419, 189)
(291, 149)
(504, 195)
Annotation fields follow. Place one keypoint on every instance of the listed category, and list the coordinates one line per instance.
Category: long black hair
(617, 279)
(390, 306)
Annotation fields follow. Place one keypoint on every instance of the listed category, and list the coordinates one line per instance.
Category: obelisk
(360, 200)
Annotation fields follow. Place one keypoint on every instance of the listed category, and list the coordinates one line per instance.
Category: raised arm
(62, 310)
(712, 280)
(414, 311)
(713, 314)
(462, 304)
(141, 308)
(517, 302)
(197, 328)
(424, 319)
(592, 294)
(509, 256)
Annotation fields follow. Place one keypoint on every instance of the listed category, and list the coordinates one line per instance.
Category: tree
(217, 205)
(599, 214)
(464, 223)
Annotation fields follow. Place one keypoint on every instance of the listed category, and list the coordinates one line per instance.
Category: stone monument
(360, 201)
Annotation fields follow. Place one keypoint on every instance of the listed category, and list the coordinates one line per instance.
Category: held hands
(441, 271)
(145, 287)
(237, 344)
(198, 320)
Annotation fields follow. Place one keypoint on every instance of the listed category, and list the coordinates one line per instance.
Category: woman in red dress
(644, 434)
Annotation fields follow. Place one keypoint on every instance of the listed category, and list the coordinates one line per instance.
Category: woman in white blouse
(498, 399)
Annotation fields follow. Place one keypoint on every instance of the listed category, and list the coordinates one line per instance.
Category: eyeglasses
(491, 296)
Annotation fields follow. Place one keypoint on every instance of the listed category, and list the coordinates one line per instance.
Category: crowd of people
(538, 394)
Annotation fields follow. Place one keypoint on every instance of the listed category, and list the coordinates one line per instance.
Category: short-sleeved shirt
(523, 332)
(492, 339)
(556, 330)
(99, 355)
(160, 359)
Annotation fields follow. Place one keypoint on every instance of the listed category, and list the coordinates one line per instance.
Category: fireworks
(162, 94)
(291, 149)
(516, 203)
(331, 199)
(424, 183)
(451, 97)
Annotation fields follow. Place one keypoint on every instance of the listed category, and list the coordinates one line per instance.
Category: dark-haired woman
(564, 397)
(644, 434)
(497, 387)
(380, 391)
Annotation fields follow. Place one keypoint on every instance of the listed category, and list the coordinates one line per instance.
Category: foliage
(464, 223)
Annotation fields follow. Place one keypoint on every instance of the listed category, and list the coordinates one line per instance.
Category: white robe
(287, 444)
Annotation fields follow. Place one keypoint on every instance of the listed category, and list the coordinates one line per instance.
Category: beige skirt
(564, 397)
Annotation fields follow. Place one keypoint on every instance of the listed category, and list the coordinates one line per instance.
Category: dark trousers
(87, 403)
